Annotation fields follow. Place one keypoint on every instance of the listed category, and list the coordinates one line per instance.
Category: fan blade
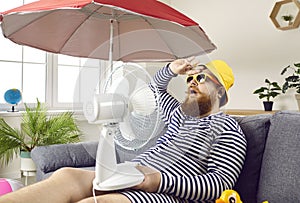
(143, 101)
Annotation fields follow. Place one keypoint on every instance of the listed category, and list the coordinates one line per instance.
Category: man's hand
(183, 66)
(151, 181)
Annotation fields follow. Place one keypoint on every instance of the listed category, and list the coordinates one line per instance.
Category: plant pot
(268, 105)
(298, 100)
(27, 164)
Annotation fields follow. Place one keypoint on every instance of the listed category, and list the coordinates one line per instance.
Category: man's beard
(197, 106)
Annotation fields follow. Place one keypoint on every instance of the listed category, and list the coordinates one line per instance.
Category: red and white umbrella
(126, 30)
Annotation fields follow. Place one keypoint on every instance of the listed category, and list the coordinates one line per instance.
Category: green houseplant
(271, 90)
(288, 19)
(292, 81)
(37, 129)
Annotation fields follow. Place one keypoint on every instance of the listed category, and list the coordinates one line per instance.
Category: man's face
(201, 96)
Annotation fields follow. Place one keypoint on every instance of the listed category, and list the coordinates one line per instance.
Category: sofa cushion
(52, 157)
(255, 129)
(280, 174)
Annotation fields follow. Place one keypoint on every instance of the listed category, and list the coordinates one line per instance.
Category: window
(59, 80)
(76, 79)
(21, 67)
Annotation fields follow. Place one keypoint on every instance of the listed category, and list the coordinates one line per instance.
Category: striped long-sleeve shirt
(198, 157)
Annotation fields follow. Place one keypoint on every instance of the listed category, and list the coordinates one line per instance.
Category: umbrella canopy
(126, 30)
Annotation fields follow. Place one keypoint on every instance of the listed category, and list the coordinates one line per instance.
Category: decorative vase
(27, 165)
(268, 105)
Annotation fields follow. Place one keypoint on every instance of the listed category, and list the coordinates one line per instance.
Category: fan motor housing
(105, 108)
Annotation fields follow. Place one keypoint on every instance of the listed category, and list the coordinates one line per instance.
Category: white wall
(247, 39)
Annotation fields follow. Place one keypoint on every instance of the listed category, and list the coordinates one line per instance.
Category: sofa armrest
(53, 157)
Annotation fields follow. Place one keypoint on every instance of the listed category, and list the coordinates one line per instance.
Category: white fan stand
(124, 96)
(109, 174)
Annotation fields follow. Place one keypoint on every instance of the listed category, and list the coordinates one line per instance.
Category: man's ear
(221, 92)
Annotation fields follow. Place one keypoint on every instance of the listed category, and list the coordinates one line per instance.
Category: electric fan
(128, 115)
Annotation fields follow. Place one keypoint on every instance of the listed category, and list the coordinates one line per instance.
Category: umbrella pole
(110, 56)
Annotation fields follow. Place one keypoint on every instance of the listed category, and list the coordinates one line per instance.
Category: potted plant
(36, 129)
(292, 81)
(271, 90)
(288, 18)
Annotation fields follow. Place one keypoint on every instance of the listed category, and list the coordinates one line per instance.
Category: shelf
(245, 112)
(286, 8)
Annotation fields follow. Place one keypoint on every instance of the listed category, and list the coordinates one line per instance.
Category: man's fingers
(138, 187)
(145, 169)
(190, 59)
(192, 72)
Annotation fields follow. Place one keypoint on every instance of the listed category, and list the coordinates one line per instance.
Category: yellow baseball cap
(223, 73)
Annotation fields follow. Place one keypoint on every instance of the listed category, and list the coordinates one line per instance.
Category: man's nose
(193, 82)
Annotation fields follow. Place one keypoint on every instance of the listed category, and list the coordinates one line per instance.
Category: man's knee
(65, 172)
(73, 176)
(78, 181)
(113, 197)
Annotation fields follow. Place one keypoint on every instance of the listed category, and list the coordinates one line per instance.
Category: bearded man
(200, 155)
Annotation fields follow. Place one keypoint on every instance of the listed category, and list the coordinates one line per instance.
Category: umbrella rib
(205, 39)
(90, 13)
(160, 36)
(26, 24)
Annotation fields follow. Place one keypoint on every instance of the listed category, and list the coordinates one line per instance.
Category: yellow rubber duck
(229, 196)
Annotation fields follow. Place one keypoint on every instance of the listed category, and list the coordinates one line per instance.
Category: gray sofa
(271, 171)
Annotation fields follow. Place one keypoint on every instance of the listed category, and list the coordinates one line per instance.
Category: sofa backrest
(280, 170)
(255, 128)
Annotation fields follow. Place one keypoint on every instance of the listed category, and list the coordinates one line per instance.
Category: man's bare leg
(65, 185)
(107, 198)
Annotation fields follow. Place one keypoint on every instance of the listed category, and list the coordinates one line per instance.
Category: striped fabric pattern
(198, 157)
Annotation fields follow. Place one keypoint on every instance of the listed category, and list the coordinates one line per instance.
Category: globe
(13, 96)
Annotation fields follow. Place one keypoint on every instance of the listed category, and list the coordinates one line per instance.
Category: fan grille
(142, 121)
(143, 129)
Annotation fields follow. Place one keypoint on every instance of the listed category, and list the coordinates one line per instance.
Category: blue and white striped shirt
(198, 157)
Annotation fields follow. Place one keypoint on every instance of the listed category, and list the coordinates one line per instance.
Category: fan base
(126, 176)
